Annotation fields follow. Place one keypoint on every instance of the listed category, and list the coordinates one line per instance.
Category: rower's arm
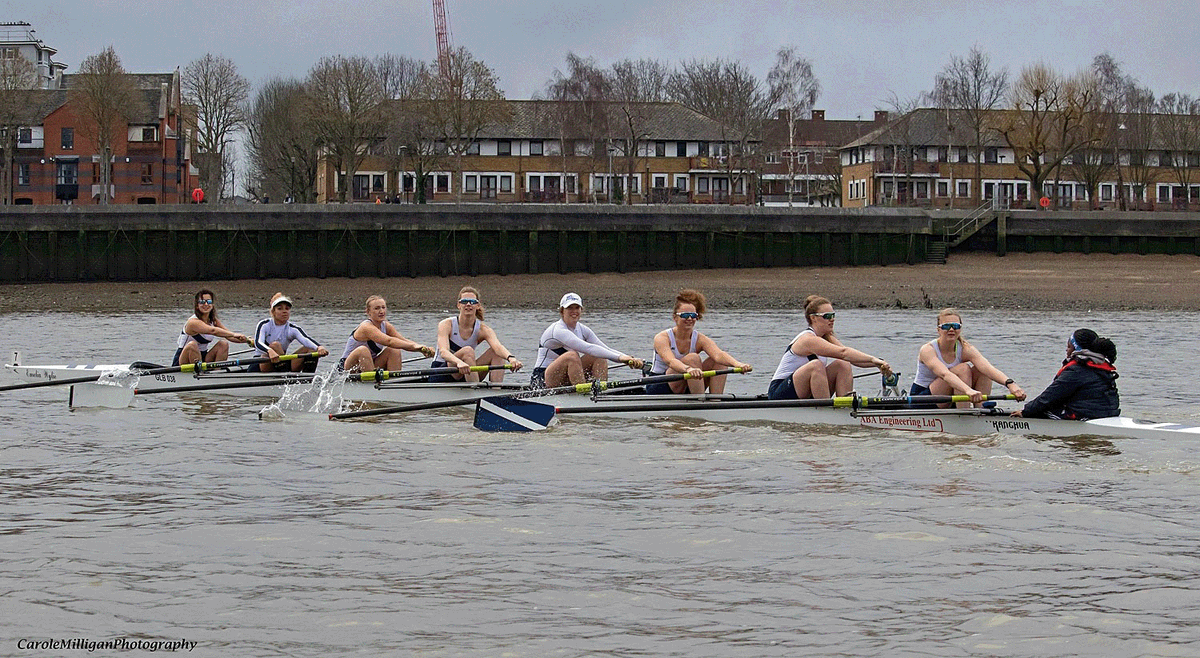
(992, 372)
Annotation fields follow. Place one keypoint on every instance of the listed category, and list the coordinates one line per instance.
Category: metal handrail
(973, 219)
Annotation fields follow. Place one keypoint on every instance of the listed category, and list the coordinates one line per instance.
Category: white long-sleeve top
(557, 339)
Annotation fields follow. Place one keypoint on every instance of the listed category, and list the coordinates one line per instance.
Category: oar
(383, 375)
(587, 387)
(525, 416)
(98, 395)
(514, 413)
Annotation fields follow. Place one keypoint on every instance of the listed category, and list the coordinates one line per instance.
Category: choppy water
(186, 517)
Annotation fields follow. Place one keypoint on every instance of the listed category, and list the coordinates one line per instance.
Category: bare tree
(728, 93)
(1094, 162)
(411, 138)
(969, 87)
(1137, 138)
(1179, 133)
(103, 95)
(467, 99)
(1033, 129)
(18, 105)
(346, 107)
(792, 81)
(218, 95)
(582, 111)
(636, 85)
(903, 149)
(283, 144)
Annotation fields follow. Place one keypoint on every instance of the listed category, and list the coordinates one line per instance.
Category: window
(660, 149)
(1164, 193)
(922, 189)
(1080, 192)
(962, 154)
(68, 139)
(681, 149)
(149, 134)
(376, 182)
(660, 182)
(681, 183)
(702, 149)
(23, 173)
(702, 185)
(943, 188)
(1106, 192)
(25, 136)
(506, 184)
(943, 154)
(470, 184)
(634, 186)
(991, 155)
(442, 182)
(473, 148)
(964, 189)
(147, 173)
(68, 173)
(8, 53)
(504, 147)
(536, 147)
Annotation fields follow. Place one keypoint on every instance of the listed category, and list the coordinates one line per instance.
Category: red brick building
(57, 162)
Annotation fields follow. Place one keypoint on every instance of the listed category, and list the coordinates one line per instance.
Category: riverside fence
(89, 243)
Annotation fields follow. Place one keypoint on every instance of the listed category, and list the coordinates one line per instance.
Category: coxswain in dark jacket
(1084, 388)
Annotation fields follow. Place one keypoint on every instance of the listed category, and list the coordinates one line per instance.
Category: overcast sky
(863, 51)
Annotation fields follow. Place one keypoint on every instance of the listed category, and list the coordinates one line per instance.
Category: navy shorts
(659, 388)
(178, 352)
(782, 389)
(917, 389)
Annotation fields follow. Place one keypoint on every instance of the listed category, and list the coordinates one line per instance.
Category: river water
(185, 517)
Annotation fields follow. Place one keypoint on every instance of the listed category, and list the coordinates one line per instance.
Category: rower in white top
(276, 333)
(569, 352)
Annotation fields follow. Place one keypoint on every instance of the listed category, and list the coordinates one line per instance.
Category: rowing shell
(733, 409)
(243, 384)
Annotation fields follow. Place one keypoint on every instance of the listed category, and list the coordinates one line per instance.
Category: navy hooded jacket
(1082, 389)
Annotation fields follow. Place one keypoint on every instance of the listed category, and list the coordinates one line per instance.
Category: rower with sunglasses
(949, 365)
(460, 335)
(677, 350)
(817, 364)
(204, 338)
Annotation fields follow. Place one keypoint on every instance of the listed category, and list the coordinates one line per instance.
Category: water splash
(323, 395)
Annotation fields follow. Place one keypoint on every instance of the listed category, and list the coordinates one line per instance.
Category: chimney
(782, 114)
(881, 116)
(818, 115)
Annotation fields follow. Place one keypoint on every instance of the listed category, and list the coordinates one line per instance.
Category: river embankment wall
(155, 243)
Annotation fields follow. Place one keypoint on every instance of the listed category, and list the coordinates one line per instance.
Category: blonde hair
(373, 298)
(479, 309)
(949, 311)
(693, 297)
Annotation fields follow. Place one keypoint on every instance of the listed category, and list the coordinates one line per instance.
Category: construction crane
(442, 32)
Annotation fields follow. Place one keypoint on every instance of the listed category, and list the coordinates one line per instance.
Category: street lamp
(403, 164)
(609, 185)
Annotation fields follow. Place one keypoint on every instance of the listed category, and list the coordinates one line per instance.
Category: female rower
(375, 343)
(275, 334)
(459, 336)
(677, 350)
(1085, 387)
(817, 364)
(569, 352)
(204, 338)
(950, 365)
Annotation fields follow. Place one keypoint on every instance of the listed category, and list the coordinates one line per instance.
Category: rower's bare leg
(716, 385)
(595, 368)
(982, 383)
(966, 373)
(392, 359)
(490, 358)
(359, 360)
(841, 377)
(218, 352)
(811, 381)
(467, 354)
(190, 354)
(566, 369)
(298, 364)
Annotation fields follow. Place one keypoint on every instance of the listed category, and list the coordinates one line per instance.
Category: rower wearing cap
(677, 350)
(376, 344)
(949, 365)
(460, 335)
(569, 352)
(816, 364)
(1085, 387)
(276, 333)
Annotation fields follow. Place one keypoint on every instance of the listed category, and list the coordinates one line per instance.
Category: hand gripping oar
(383, 375)
(587, 387)
(516, 413)
(190, 367)
(533, 415)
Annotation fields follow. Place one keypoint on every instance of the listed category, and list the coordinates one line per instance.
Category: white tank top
(925, 376)
(353, 343)
(659, 367)
(791, 362)
(205, 340)
(471, 341)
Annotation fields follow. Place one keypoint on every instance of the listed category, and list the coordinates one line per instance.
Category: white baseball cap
(282, 299)
(570, 298)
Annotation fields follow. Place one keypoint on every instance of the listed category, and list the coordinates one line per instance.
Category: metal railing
(975, 219)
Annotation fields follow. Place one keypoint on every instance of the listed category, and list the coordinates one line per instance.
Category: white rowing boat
(525, 414)
(118, 384)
